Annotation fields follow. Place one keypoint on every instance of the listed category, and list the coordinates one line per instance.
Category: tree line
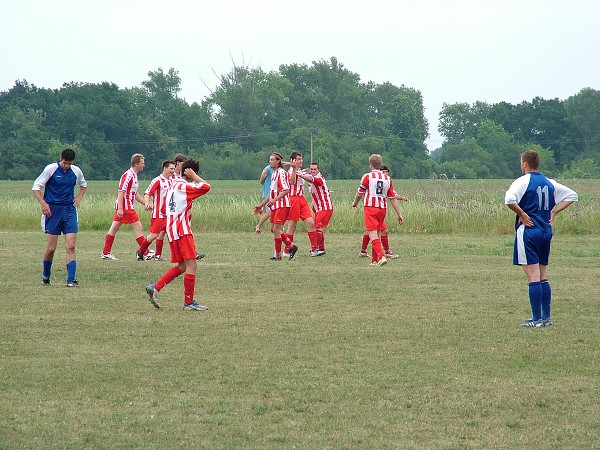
(323, 109)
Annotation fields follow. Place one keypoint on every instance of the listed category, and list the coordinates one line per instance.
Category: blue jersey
(266, 185)
(59, 185)
(537, 195)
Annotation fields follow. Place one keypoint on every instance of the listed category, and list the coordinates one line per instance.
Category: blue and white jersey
(59, 185)
(537, 195)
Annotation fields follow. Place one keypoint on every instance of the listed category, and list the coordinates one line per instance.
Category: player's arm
(120, 203)
(263, 176)
(282, 194)
(396, 206)
(359, 194)
(306, 176)
(140, 199)
(80, 195)
(523, 216)
(43, 204)
(38, 184)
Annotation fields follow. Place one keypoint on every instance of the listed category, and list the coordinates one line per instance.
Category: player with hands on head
(536, 200)
(180, 198)
(59, 211)
(322, 205)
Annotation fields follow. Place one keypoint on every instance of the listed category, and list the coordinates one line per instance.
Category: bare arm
(43, 204)
(558, 208)
(394, 202)
(79, 197)
(523, 216)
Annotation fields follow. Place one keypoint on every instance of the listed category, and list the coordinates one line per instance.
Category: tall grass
(436, 206)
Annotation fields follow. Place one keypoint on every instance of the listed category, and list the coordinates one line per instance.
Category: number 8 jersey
(180, 198)
(537, 195)
(376, 186)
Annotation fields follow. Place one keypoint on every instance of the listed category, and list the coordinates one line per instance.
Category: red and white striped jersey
(180, 198)
(158, 191)
(321, 199)
(376, 186)
(298, 187)
(129, 185)
(279, 181)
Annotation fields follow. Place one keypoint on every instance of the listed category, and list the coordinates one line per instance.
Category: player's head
(190, 164)
(178, 160)
(385, 169)
(314, 168)
(67, 155)
(168, 167)
(275, 160)
(295, 155)
(375, 161)
(137, 159)
(531, 158)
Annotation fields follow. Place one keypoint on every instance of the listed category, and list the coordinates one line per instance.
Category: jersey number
(379, 188)
(543, 202)
(172, 203)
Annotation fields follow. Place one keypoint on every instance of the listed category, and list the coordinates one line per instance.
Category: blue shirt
(59, 185)
(267, 184)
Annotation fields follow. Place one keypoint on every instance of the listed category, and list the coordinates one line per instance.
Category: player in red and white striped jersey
(376, 187)
(299, 208)
(321, 203)
(279, 203)
(180, 198)
(158, 222)
(389, 254)
(125, 205)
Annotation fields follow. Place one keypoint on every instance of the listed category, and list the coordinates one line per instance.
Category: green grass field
(325, 352)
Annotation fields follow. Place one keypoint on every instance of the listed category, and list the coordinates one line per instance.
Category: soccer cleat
(72, 283)
(109, 256)
(530, 323)
(276, 258)
(45, 281)
(293, 250)
(194, 307)
(200, 255)
(150, 255)
(391, 255)
(316, 252)
(373, 263)
(363, 254)
(382, 261)
(547, 322)
(286, 255)
(140, 256)
(153, 295)
(158, 258)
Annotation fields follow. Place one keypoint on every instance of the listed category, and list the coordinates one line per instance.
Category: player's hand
(46, 210)
(401, 197)
(257, 210)
(400, 219)
(119, 212)
(526, 220)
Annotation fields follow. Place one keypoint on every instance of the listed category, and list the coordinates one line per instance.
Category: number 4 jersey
(537, 196)
(180, 198)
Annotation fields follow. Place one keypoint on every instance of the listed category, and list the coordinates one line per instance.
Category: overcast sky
(450, 50)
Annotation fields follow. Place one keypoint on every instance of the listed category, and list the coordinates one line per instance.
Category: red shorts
(183, 248)
(322, 218)
(299, 208)
(129, 216)
(279, 215)
(374, 218)
(157, 225)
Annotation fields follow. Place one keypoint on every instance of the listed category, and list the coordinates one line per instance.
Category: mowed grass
(323, 352)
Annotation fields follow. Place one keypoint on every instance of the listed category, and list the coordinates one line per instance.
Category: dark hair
(315, 164)
(179, 158)
(532, 158)
(384, 167)
(67, 155)
(191, 164)
(294, 155)
(167, 163)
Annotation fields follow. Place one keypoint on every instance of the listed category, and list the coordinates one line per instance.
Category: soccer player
(376, 187)
(158, 191)
(279, 203)
(536, 200)
(180, 198)
(389, 254)
(322, 205)
(59, 210)
(125, 206)
(299, 208)
(177, 175)
(265, 180)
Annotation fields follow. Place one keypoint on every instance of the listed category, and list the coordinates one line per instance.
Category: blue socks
(546, 299)
(47, 269)
(535, 298)
(71, 268)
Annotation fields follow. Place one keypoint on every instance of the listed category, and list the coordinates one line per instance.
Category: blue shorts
(63, 219)
(532, 246)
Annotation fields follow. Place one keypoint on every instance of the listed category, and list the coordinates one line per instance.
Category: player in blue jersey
(59, 210)
(536, 200)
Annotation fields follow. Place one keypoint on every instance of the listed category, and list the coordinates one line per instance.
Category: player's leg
(71, 260)
(52, 241)
(532, 271)
(365, 243)
(110, 239)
